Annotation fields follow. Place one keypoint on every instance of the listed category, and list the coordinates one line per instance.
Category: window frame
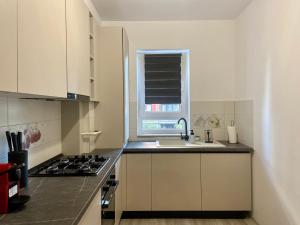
(141, 106)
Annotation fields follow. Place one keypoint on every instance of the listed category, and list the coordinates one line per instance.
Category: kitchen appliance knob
(105, 188)
(102, 159)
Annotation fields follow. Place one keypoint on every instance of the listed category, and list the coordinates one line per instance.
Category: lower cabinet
(226, 182)
(120, 194)
(176, 182)
(138, 182)
(92, 216)
(189, 182)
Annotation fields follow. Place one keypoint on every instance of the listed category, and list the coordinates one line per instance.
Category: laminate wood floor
(188, 222)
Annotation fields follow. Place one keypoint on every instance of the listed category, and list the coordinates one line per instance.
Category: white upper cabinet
(42, 47)
(78, 47)
(112, 87)
(8, 45)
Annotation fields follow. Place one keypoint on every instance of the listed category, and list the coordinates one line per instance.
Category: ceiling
(149, 10)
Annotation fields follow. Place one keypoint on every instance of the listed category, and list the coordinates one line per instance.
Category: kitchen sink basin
(186, 144)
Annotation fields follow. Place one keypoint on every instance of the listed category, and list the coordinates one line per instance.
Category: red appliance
(10, 198)
(5, 186)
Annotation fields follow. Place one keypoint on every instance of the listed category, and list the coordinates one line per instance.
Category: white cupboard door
(8, 45)
(42, 47)
(138, 182)
(119, 195)
(92, 215)
(78, 47)
(226, 182)
(126, 85)
(176, 182)
(110, 88)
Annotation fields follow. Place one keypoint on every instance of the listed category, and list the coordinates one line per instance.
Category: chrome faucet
(186, 136)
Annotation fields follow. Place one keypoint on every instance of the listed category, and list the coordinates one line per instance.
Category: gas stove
(83, 165)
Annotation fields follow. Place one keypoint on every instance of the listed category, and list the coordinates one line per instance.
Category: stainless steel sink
(186, 144)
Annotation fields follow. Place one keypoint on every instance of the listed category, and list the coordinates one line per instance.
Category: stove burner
(64, 161)
(85, 168)
(83, 165)
(52, 169)
(99, 159)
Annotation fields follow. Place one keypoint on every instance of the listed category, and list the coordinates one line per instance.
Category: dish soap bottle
(192, 136)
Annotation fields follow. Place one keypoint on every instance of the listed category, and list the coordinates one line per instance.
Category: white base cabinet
(120, 195)
(226, 182)
(176, 182)
(92, 216)
(138, 182)
(189, 182)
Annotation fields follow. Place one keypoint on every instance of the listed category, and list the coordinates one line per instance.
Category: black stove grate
(84, 165)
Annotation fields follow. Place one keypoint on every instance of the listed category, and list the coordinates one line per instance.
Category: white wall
(268, 34)
(212, 49)
(212, 59)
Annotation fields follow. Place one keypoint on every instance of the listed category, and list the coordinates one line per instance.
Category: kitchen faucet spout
(186, 136)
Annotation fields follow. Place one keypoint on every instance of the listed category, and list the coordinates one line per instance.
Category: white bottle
(192, 137)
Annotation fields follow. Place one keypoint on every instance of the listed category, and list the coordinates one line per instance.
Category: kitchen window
(163, 91)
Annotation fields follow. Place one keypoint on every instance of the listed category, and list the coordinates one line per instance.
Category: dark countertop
(60, 200)
(150, 147)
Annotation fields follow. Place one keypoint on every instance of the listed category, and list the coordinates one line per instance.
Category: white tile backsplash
(21, 111)
(229, 107)
(3, 111)
(3, 145)
(35, 116)
(244, 121)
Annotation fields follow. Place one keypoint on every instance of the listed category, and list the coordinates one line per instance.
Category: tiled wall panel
(40, 122)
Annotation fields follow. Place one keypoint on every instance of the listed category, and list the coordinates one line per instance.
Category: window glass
(161, 119)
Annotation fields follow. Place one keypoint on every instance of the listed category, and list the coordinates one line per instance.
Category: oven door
(108, 204)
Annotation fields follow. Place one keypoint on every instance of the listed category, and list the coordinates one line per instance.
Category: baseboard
(186, 214)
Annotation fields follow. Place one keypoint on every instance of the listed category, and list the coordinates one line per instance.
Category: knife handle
(8, 137)
(14, 141)
(19, 140)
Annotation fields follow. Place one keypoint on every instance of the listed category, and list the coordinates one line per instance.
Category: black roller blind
(162, 78)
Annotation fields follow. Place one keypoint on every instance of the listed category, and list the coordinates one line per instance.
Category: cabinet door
(138, 182)
(42, 47)
(92, 215)
(121, 190)
(78, 47)
(8, 45)
(110, 88)
(176, 182)
(226, 182)
(126, 85)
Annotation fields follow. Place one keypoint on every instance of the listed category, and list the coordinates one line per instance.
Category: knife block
(20, 158)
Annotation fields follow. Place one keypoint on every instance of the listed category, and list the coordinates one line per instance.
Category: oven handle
(105, 202)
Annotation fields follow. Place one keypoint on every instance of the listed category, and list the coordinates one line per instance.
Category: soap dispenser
(192, 136)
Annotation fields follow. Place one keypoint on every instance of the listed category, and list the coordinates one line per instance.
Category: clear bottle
(192, 136)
